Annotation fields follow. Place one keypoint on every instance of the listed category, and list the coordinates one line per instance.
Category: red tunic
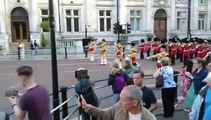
(192, 49)
(173, 49)
(155, 47)
(142, 46)
(148, 47)
(186, 51)
(200, 52)
(180, 48)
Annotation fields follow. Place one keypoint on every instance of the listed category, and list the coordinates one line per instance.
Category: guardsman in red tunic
(186, 52)
(177, 47)
(192, 48)
(173, 52)
(200, 50)
(180, 49)
(148, 47)
(155, 47)
(141, 48)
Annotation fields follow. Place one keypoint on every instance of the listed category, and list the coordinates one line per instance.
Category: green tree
(45, 28)
(43, 41)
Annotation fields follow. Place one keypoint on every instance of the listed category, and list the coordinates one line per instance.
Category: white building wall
(89, 15)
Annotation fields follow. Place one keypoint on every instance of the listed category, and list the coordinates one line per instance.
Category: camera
(11, 93)
(81, 73)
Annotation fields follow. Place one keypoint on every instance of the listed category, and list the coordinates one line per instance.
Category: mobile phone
(11, 93)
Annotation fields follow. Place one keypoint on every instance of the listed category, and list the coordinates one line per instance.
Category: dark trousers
(181, 57)
(173, 59)
(168, 101)
(191, 56)
(148, 53)
(195, 54)
(142, 55)
(177, 55)
(185, 60)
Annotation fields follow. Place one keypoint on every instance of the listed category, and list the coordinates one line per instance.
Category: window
(135, 20)
(44, 17)
(72, 20)
(105, 20)
(201, 22)
(182, 1)
(181, 20)
(203, 2)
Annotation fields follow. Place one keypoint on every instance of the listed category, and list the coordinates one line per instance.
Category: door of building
(160, 24)
(20, 25)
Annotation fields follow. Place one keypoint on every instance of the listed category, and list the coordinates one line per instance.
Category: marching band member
(91, 47)
(155, 47)
(163, 55)
(118, 52)
(103, 48)
(132, 53)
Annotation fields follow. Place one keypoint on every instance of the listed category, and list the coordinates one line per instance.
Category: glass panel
(201, 16)
(24, 30)
(76, 24)
(68, 22)
(68, 12)
(132, 13)
(17, 30)
(138, 13)
(178, 14)
(199, 25)
(132, 22)
(108, 24)
(178, 24)
(44, 12)
(202, 25)
(101, 12)
(138, 21)
(108, 13)
(19, 12)
(75, 12)
(102, 24)
(44, 19)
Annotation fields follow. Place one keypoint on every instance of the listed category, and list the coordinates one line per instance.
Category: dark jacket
(111, 79)
(198, 80)
(84, 87)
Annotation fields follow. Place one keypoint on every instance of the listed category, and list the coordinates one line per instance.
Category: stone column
(122, 12)
(209, 14)
(56, 15)
(173, 16)
(4, 38)
(194, 14)
(149, 16)
(33, 21)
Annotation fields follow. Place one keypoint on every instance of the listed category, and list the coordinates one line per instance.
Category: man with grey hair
(128, 107)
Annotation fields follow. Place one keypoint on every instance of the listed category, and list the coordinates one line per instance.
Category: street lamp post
(117, 2)
(54, 61)
(189, 18)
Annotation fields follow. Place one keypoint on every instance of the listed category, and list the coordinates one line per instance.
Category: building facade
(20, 19)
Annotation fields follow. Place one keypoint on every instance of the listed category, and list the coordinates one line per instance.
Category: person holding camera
(128, 107)
(85, 87)
(35, 101)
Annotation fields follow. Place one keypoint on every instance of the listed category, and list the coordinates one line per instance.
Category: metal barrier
(64, 105)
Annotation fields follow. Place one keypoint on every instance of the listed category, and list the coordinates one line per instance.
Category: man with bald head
(128, 107)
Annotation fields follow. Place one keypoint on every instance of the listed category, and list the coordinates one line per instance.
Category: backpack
(119, 81)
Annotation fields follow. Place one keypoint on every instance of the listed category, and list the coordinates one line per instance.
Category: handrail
(52, 111)
(71, 114)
